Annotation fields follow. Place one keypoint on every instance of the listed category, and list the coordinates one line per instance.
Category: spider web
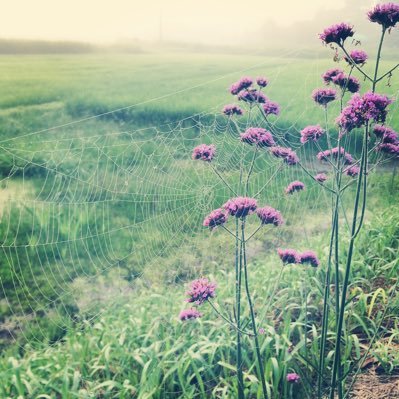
(124, 200)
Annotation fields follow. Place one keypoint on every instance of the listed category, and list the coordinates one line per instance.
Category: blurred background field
(101, 222)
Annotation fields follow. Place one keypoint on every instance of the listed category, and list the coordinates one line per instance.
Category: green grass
(96, 204)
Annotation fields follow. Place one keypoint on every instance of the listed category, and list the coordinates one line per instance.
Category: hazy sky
(218, 21)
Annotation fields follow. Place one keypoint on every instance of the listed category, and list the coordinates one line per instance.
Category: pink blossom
(262, 81)
(309, 257)
(204, 152)
(321, 177)
(232, 109)
(200, 291)
(271, 108)
(330, 74)
(337, 33)
(361, 109)
(293, 378)
(386, 14)
(349, 83)
(216, 218)
(294, 186)
(312, 133)
(347, 158)
(189, 314)
(269, 215)
(352, 171)
(252, 96)
(324, 96)
(288, 255)
(358, 57)
(257, 136)
(289, 156)
(240, 207)
(242, 84)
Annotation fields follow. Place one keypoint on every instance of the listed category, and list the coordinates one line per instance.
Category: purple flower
(311, 133)
(294, 186)
(240, 206)
(386, 15)
(352, 171)
(330, 74)
(288, 255)
(204, 152)
(361, 109)
(323, 96)
(309, 257)
(324, 155)
(358, 57)
(293, 378)
(251, 96)
(189, 314)
(257, 136)
(345, 82)
(242, 84)
(287, 154)
(200, 291)
(321, 177)
(215, 218)
(389, 148)
(232, 109)
(337, 33)
(269, 215)
(271, 108)
(386, 134)
(262, 81)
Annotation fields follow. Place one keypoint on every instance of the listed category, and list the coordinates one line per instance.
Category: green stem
(227, 320)
(252, 313)
(238, 267)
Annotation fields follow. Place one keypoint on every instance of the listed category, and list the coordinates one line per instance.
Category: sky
(107, 21)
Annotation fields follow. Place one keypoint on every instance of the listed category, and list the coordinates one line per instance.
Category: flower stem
(252, 313)
(238, 267)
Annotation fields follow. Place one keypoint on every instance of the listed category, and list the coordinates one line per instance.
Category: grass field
(101, 226)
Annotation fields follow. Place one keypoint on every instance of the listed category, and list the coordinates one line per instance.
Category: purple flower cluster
(294, 186)
(361, 109)
(240, 206)
(232, 109)
(321, 177)
(215, 218)
(291, 256)
(269, 215)
(271, 108)
(324, 155)
(337, 33)
(258, 136)
(288, 256)
(204, 152)
(262, 81)
(359, 57)
(330, 74)
(386, 15)
(324, 96)
(352, 171)
(189, 314)
(293, 378)
(389, 148)
(289, 156)
(345, 82)
(386, 134)
(309, 257)
(312, 133)
(200, 291)
(251, 96)
(242, 84)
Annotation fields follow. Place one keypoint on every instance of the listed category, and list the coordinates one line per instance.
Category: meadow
(101, 229)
